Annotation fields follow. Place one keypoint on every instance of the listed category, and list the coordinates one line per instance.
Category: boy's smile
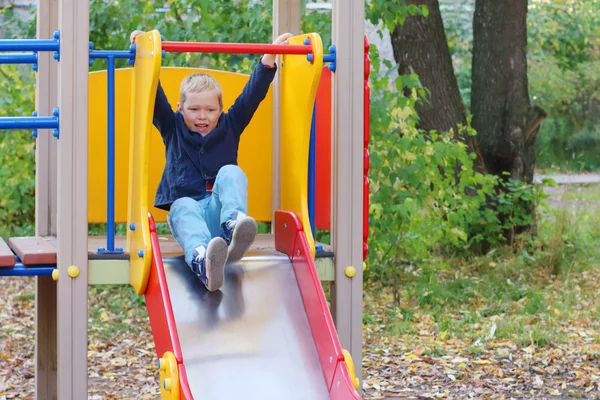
(201, 111)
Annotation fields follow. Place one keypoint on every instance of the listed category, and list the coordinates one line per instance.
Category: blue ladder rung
(21, 269)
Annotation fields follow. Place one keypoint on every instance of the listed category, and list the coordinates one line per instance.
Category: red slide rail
(291, 240)
(160, 312)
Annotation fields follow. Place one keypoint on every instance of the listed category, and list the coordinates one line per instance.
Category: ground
(478, 330)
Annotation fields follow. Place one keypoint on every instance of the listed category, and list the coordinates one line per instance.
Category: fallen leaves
(120, 367)
(429, 362)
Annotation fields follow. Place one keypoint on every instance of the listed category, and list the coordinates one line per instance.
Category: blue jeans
(194, 223)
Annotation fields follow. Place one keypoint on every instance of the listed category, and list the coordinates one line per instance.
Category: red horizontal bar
(246, 48)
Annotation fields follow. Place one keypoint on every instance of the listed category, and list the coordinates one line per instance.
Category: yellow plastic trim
(350, 364)
(143, 95)
(169, 377)
(73, 271)
(299, 83)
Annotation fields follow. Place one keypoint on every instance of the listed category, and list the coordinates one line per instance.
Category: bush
(426, 196)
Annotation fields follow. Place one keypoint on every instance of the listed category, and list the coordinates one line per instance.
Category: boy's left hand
(269, 59)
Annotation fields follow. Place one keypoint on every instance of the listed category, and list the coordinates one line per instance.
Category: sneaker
(209, 264)
(239, 233)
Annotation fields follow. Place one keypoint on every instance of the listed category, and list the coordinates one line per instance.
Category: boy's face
(201, 111)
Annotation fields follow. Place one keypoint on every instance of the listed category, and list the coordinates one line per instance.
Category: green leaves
(17, 154)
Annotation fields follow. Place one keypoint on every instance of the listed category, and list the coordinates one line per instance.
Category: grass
(521, 294)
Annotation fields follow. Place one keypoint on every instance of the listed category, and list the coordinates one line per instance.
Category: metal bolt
(298, 252)
(284, 226)
(338, 384)
(330, 360)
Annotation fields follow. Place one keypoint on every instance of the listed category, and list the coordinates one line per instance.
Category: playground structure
(77, 184)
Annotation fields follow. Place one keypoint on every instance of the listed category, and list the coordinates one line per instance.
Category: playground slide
(267, 334)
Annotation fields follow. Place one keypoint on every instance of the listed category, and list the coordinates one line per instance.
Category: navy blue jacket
(193, 160)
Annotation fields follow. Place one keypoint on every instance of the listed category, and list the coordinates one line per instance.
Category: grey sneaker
(209, 264)
(239, 233)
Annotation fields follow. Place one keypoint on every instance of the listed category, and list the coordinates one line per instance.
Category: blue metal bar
(311, 171)
(110, 217)
(19, 58)
(110, 53)
(29, 45)
(22, 270)
(28, 123)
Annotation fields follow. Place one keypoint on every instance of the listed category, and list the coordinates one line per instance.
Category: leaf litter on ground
(426, 361)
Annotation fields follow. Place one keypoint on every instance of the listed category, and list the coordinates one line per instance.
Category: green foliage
(17, 185)
(392, 13)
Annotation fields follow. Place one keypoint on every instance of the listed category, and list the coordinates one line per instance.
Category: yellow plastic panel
(254, 155)
(97, 144)
(143, 88)
(299, 83)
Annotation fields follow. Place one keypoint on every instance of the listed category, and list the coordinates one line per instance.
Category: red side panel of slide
(319, 317)
(160, 312)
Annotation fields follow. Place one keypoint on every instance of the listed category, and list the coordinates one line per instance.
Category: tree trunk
(505, 122)
(420, 45)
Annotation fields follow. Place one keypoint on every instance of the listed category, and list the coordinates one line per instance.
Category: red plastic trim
(287, 225)
(345, 390)
(160, 309)
(185, 393)
(367, 137)
(323, 152)
(313, 298)
(236, 48)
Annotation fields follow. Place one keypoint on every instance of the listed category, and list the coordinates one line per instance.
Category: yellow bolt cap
(364, 265)
(168, 385)
(73, 271)
(350, 271)
(55, 274)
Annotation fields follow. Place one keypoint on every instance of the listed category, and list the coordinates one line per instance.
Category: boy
(202, 187)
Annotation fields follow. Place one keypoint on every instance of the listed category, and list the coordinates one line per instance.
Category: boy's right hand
(134, 34)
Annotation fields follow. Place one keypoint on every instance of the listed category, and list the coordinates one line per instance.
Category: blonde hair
(197, 83)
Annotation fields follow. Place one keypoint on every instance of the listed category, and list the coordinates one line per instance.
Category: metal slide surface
(251, 339)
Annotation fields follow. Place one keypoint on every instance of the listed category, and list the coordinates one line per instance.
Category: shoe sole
(243, 236)
(216, 257)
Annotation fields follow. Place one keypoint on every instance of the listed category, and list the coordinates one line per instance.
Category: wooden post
(347, 172)
(45, 206)
(72, 199)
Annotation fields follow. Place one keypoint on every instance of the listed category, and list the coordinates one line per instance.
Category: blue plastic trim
(110, 53)
(311, 171)
(34, 132)
(29, 45)
(331, 58)
(110, 201)
(19, 58)
(22, 270)
(28, 123)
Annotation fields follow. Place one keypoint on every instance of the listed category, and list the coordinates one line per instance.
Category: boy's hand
(133, 35)
(269, 59)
